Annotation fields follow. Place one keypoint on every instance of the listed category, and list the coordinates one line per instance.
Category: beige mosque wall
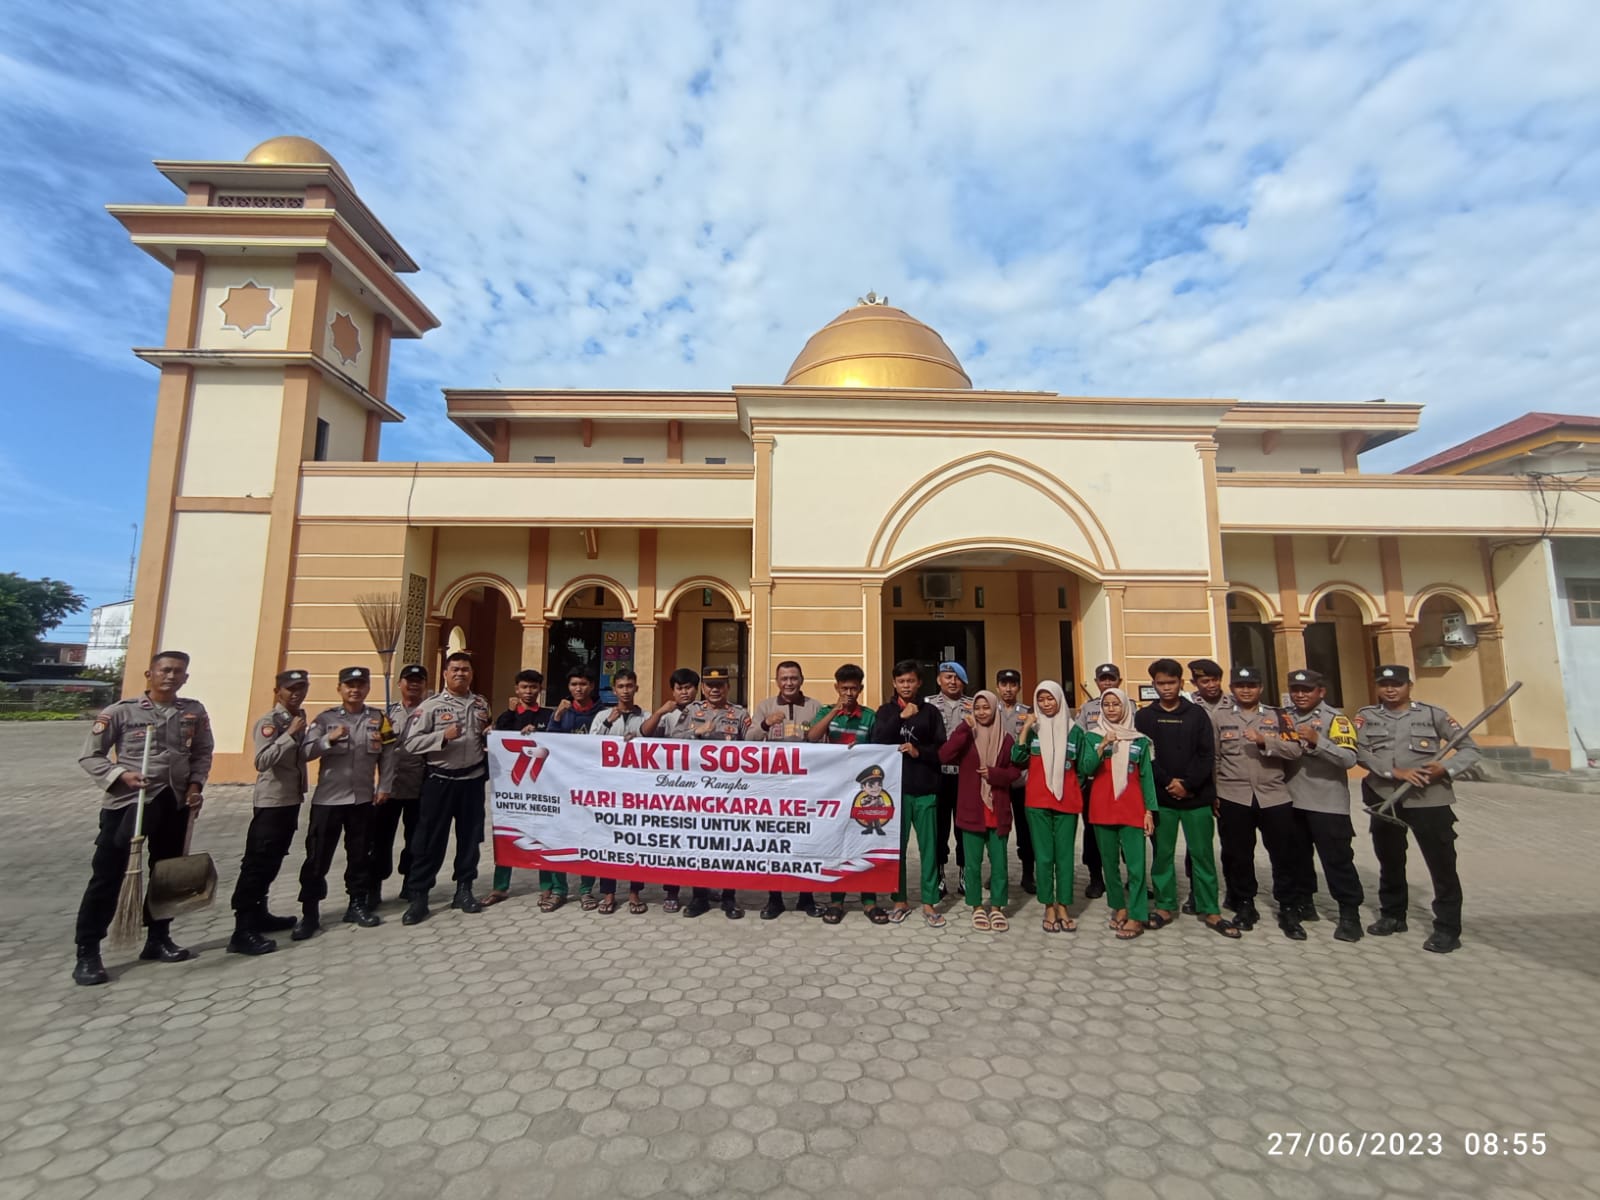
(221, 274)
(213, 610)
(1386, 504)
(342, 300)
(347, 424)
(1525, 587)
(333, 564)
(708, 440)
(499, 550)
(1457, 686)
(617, 563)
(609, 441)
(231, 441)
(1290, 452)
(1359, 567)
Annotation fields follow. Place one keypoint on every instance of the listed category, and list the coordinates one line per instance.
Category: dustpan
(183, 884)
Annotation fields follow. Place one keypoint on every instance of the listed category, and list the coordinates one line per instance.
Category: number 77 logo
(529, 761)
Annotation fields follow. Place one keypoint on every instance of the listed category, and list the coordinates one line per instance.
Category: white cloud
(1322, 202)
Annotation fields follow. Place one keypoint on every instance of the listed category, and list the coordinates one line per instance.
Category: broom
(129, 918)
(384, 617)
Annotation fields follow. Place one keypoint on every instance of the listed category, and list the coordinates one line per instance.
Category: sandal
(934, 920)
(998, 921)
(670, 905)
(494, 898)
(1067, 924)
(877, 916)
(832, 915)
(608, 903)
(980, 918)
(552, 902)
(588, 902)
(1157, 921)
(1129, 931)
(636, 904)
(1226, 928)
(898, 915)
(1117, 922)
(1050, 925)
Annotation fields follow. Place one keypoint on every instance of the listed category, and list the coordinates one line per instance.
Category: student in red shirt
(1122, 805)
(1049, 745)
(980, 749)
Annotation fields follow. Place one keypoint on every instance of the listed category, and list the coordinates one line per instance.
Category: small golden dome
(874, 345)
(297, 151)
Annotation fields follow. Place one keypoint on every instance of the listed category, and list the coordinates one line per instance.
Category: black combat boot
(1289, 922)
(416, 911)
(309, 924)
(1349, 927)
(159, 946)
(1384, 926)
(357, 913)
(1028, 884)
(247, 938)
(89, 970)
(1246, 916)
(465, 900)
(1308, 910)
(1440, 942)
(267, 921)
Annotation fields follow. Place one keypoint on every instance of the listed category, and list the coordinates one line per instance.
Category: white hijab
(1127, 733)
(1053, 734)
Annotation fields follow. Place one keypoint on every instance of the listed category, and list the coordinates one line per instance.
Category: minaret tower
(286, 292)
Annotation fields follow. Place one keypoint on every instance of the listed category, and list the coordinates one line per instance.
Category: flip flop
(608, 903)
(1068, 926)
(934, 920)
(671, 904)
(1130, 930)
(898, 915)
(588, 902)
(636, 905)
(1050, 926)
(555, 901)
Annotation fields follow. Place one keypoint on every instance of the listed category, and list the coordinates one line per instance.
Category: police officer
(713, 718)
(1398, 741)
(280, 758)
(787, 717)
(398, 814)
(953, 707)
(1007, 684)
(1255, 745)
(1205, 674)
(449, 730)
(179, 735)
(1319, 790)
(355, 773)
(1106, 677)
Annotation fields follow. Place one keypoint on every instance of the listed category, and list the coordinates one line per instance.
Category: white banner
(756, 815)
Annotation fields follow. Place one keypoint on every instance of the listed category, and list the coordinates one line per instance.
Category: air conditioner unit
(1457, 632)
(941, 585)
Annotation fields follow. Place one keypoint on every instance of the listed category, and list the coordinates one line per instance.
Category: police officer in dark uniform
(398, 814)
(355, 768)
(1319, 790)
(179, 735)
(1398, 740)
(280, 758)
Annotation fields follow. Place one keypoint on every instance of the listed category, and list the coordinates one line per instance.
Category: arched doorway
(991, 610)
(1444, 649)
(481, 623)
(1251, 642)
(1339, 643)
(593, 632)
(705, 623)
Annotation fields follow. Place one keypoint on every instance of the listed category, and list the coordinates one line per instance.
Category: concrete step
(1580, 782)
(1526, 766)
(1506, 754)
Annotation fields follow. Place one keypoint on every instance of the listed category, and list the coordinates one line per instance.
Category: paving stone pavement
(516, 1054)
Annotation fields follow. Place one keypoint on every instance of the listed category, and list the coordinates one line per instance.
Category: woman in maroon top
(980, 748)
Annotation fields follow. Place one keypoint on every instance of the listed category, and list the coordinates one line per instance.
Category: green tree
(30, 608)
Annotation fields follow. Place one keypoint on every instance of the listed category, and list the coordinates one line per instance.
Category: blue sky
(1313, 201)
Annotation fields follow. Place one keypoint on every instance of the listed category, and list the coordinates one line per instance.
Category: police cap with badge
(1307, 678)
(292, 679)
(1395, 673)
(1009, 675)
(354, 675)
(715, 675)
(873, 772)
(414, 671)
(1245, 675)
(1108, 671)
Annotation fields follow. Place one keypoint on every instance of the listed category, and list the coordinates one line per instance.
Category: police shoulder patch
(1343, 732)
(1359, 720)
(100, 726)
(268, 729)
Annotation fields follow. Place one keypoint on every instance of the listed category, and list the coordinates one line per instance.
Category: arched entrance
(991, 610)
(1339, 643)
(705, 623)
(593, 632)
(1251, 641)
(481, 622)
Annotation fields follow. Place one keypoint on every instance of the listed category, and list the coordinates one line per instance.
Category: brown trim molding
(234, 504)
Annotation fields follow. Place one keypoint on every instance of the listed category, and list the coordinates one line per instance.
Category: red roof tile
(1502, 435)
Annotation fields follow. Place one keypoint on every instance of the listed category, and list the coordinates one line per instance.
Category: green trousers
(502, 879)
(1054, 834)
(1199, 832)
(973, 847)
(920, 813)
(549, 881)
(1126, 842)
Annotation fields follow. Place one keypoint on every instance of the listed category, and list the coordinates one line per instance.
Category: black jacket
(1185, 748)
(924, 729)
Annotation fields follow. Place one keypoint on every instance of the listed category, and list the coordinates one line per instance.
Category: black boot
(247, 939)
(1028, 884)
(465, 900)
(1246, 916)
(1096, 888)
(1440, 942)
(774, 907)
(1308, 910)
(267, 921)
(1188, 908)
(158, 947)
(416, 911)
(1289, 922)
(359, 914)
(89, 970)
(375, 899)
(309, 924)
(1384, 926)
(1349, 927)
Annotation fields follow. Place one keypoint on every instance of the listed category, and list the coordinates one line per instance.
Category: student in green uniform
(1050, 744)
(1122, 806)
(844, 723)
(919, 732)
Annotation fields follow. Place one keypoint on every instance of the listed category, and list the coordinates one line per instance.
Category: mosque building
(874, 505)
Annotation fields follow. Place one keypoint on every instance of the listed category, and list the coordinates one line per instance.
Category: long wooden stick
(1385, 810)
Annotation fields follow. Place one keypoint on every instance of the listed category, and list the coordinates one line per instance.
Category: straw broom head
(384, 616)
(128, 923)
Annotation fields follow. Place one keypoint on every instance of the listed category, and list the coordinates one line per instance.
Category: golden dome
(298, 151)
(873, 345)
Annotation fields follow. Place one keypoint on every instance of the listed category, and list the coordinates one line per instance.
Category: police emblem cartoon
(873, 808)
